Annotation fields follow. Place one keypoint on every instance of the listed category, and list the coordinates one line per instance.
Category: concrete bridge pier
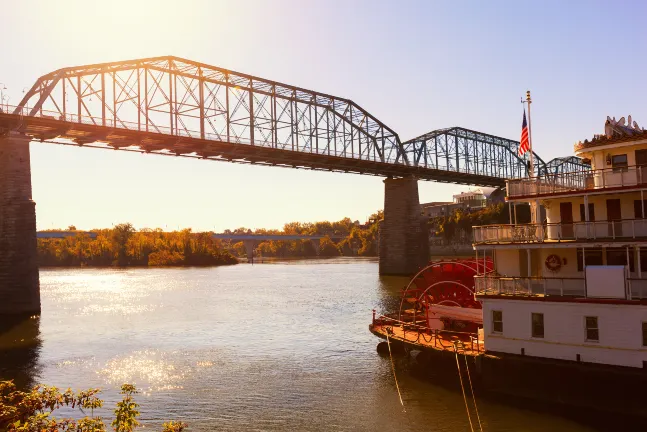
(19, 284)
(403, 245)
(250, 245)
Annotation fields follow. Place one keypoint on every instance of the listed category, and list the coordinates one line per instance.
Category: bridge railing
(132, 126)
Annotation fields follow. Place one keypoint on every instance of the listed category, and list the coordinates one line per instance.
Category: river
(281, 346)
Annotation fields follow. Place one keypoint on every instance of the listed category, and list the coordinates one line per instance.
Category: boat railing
(525, 286)
(556, 183)
(572, 231)
(438, 337)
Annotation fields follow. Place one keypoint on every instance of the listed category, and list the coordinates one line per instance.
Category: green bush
(31, 411)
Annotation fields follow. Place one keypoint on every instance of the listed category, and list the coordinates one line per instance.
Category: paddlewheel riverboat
(438, 309)
(555, 309)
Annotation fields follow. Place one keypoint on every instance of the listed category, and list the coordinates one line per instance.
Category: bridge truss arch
(182, 98)
(178, 107)
(470, 152)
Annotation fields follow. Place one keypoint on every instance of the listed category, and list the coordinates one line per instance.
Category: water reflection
(20, 346)
(265, 347)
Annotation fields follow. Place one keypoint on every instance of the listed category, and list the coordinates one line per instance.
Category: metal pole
(628, 262)
(639, 266)
(531, 170)
(627, 278)
(586, 214)
(515, 213)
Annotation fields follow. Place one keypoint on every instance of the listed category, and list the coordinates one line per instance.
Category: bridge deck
(52, 130)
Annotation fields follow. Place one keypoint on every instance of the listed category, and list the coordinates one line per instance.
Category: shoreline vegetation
(32, 410)
(125, 246)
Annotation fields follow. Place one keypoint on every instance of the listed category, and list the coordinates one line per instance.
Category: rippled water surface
(270, 347)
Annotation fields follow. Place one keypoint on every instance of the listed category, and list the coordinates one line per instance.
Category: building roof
(436, 203)
(485, 191)
(615, 131)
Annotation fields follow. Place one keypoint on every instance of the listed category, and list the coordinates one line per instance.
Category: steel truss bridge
(173, 106)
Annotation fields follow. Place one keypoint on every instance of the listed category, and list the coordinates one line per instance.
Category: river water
(281, 346)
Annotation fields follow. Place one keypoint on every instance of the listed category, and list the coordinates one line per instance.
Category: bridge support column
(249, 249)
(403, 233)
(19, 284)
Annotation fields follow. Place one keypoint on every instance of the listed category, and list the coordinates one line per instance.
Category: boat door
(641, 166)
(566, 219)
(614, 216)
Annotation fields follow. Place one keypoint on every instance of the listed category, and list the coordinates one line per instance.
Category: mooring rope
(467, 408)
(388, 342)
(473, 395)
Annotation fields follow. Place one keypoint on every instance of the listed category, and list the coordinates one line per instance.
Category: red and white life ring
(553, 263)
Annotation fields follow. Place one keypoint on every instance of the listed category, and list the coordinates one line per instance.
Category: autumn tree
(32, 411)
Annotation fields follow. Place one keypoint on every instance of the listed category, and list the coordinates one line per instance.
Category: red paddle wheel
(432, 294)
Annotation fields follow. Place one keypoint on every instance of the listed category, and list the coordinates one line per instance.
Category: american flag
(524, 145)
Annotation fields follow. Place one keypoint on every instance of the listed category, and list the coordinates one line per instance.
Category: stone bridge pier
(19, 284)
(404, 240)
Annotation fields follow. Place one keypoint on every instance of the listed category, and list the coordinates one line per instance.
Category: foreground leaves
(31, 411)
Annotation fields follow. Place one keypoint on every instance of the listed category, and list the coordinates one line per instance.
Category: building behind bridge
(470, 200)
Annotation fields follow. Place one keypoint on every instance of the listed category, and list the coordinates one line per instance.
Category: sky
(415, 65)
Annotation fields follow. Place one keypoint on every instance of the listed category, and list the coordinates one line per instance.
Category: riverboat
(556, 309)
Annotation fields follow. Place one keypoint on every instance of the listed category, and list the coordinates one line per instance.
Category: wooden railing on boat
(422, 337)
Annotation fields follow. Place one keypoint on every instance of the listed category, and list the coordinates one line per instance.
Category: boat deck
(425, 339)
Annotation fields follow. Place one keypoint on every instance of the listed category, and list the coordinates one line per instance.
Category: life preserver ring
(553, 263)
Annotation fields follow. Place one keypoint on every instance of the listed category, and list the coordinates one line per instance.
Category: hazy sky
(417, 66)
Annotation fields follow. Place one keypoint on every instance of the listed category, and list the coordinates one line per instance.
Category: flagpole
(531, 170)
(536, 212)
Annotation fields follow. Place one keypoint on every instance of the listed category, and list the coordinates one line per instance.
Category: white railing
(488, 285)
(577, 181)
(520, 286)
(539, 233)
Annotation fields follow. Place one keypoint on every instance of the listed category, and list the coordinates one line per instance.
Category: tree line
(457, 226)
(123, 245)
(340, 238)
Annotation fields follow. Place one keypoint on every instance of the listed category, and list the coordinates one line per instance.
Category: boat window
(537, 325)
(644, 333)
(593, 257)
(638, 209)
(643, 259)
(619, 162)
(591, 213)
(497, 321)
(592, 332)
(618, 256)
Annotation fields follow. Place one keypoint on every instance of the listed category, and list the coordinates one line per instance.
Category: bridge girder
(566, 164)
(173, 106)
(458, 149)
(183, 98)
